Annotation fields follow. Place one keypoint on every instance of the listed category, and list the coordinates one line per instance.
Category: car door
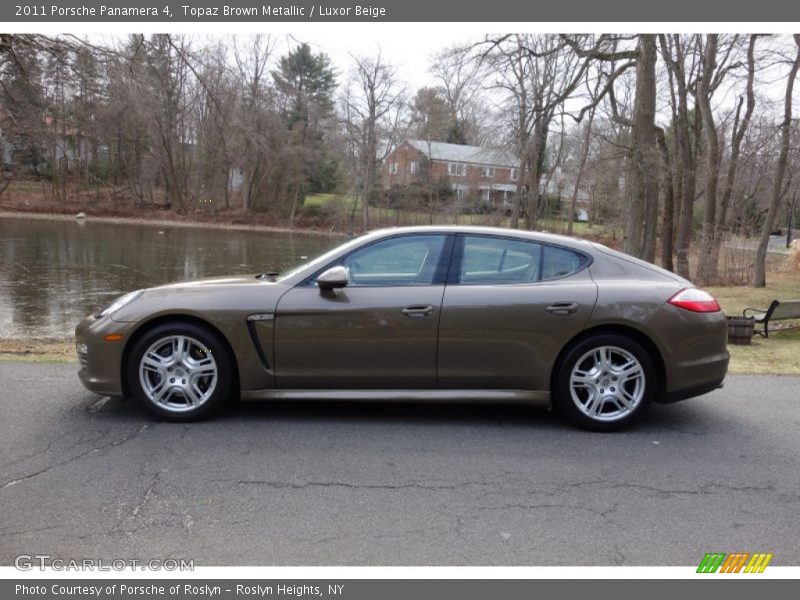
(510, 306)
(378, 332)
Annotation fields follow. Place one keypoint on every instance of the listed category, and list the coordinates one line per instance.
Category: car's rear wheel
(605, 382)
(181, 371)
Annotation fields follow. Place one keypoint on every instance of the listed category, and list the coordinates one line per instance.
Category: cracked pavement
(361, 484)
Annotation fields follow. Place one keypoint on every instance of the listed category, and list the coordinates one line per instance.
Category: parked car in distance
(438, 314)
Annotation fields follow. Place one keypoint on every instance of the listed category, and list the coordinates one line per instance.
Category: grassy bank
(320, 213)
(347, 205)
(38, 350)
(153, 221)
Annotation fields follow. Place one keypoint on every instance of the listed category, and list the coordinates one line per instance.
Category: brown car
(440, 314)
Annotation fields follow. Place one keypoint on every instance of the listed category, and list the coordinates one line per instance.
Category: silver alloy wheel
(178, 373)
(607, 383)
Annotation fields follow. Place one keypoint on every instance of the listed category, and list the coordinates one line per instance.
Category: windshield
(319, 261)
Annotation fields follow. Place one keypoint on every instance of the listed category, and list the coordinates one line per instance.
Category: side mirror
(335, 277)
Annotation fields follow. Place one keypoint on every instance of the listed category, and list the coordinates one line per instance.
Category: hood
(234, 297)
(205, 282)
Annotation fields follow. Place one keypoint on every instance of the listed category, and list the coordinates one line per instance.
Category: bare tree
(686, 131)
(459, 81)
(254, 120)
(641, 186)
(715, 65)
(584, 155)
(539, 72)
(371, 107)
(760, 273)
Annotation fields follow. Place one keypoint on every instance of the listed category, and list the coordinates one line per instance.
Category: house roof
(475, 155)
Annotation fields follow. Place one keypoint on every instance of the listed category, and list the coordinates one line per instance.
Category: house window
(460, 192)
(488, 172)
(413, 167)
(393, 168)
(514, 174)
(456, 169)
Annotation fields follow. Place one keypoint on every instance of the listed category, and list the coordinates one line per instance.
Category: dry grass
(794, 257)
(781, 285)
(37, 350)
(777, 355)
(780, 353)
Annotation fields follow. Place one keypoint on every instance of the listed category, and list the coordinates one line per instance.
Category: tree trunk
(668, 223)
(518, 194)
(587, 138)
(688, 183)
(642, 188)
(706, 267)
(760, 274)
(740, 127)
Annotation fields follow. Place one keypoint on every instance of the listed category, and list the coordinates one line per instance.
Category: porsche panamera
(429, 314)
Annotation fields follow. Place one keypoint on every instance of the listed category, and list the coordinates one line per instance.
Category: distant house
(473, 171)
(558, 183)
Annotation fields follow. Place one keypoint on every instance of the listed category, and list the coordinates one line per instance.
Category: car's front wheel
(605, 382)
(180, 371)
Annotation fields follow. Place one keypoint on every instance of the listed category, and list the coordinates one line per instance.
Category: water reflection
(53, 273)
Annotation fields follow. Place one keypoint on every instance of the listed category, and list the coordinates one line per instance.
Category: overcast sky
(411, 47)
(409, 53)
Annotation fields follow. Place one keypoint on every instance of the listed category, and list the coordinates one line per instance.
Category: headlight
(119, 303)
(83, 353)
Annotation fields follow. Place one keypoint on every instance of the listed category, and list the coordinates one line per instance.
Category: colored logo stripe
(734, 562)
(711, 562)
(758, 563)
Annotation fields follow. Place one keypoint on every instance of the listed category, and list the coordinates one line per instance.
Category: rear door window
(487, 260)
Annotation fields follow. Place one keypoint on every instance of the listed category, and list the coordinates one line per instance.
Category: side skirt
(529, 397)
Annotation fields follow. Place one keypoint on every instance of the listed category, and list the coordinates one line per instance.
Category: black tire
(213, 346)
(567, 406)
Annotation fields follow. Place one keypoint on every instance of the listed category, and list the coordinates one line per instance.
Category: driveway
(355, 484)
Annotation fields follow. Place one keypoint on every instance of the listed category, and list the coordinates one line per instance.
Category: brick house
(473, 171)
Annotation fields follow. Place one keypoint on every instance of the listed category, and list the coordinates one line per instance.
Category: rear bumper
(691, 392)
(692, 378)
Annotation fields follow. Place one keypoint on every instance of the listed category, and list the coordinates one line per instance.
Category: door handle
(418, 311)
(562, 308)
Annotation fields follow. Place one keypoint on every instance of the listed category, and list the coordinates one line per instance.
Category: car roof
(539, 236)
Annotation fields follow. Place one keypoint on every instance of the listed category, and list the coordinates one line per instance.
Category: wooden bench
(777, 311)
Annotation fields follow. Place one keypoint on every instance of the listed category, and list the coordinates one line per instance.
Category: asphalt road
(396, 484)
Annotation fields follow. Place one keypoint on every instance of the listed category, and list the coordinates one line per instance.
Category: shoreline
(54, 350)
(124, 220)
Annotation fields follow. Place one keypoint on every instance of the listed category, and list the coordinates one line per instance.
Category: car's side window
(558, 262)
(490, 260)
(407, 260)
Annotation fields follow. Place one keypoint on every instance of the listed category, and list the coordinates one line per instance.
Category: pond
(53, 273)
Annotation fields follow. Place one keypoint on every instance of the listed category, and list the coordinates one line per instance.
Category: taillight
(695, 300)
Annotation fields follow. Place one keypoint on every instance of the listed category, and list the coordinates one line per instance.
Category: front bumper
(101, 364)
